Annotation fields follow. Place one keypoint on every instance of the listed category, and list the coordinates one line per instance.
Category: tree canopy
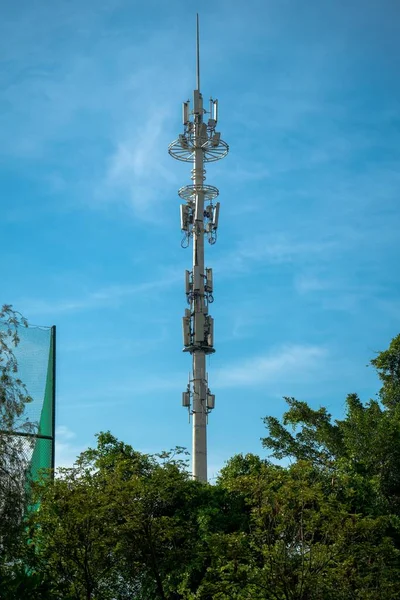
(317, 518)
(13, 460)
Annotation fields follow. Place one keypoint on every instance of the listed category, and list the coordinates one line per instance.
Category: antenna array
(198, 144)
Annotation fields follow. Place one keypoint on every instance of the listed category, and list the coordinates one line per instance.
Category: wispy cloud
(137, 170)
(95, 349)
(66, 448)
(292, 362)
(137, 167)
(277, 248)
(305, 284)
(105, 296)
(124, 392)
(242, 318)
(248, 172)
(109, 105)
(338, 292)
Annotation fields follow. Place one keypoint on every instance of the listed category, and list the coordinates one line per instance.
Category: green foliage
(324, 525)
(365, 445)
(318, 440)
(387, 364)
(13, 462)
(13, 393)
(302, 533)
(17, 583)
(114, 525)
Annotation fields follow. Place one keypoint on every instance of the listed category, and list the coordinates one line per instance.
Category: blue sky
(306, 276)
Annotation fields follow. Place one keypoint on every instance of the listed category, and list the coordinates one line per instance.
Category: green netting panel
(36, 368)
(42, 457)
(43, 453)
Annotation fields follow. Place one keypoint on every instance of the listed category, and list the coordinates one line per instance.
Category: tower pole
(198, 144)
(199, 439)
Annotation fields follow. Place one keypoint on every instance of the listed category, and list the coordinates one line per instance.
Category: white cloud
(338, 293)
(66, 451)
(291, 362)
(248, 172)
(65, 433)
(124, 392)
(106, 296)
(115, 118)
(138, 165)
(272, 249)
(305, 284)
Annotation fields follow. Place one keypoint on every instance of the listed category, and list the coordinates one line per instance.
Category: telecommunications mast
(199, 143)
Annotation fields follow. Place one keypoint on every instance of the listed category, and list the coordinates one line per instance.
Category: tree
(366, 444)
(304, 541)
(122, 524)
(13, 460)
(387, 364)
(359, 457)
(325, 525)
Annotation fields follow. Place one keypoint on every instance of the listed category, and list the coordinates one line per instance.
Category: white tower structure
(198, 144)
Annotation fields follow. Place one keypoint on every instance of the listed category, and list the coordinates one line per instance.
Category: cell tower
(199, 143)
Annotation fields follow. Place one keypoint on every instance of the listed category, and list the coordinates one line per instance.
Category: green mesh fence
(43, 453)
(36, 355)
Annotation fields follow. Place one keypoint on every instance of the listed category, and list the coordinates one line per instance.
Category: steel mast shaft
(199, 440)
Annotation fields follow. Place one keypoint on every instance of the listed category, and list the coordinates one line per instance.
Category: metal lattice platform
(188, 192)
(210, 153)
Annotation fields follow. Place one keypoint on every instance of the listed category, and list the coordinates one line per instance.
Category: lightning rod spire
(197, 54)
(198, 144)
